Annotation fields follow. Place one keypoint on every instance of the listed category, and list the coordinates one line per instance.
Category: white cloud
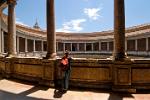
(92, 13)
(72, 26)
(18, 21)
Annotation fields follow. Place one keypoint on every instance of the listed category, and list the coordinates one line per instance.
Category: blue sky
(82, 15)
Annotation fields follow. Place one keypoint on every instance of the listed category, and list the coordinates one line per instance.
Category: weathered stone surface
(84, 73)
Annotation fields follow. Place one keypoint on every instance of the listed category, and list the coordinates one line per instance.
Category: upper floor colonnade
(51, 40)
(119, 29)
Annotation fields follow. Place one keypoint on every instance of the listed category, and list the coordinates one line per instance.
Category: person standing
(65, 70)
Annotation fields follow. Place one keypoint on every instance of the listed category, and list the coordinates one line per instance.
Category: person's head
(66, 53)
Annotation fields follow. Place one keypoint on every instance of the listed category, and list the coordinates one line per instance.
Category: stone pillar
(64, 47)
(26, 45)
(33, 45)
(2, 41)
(11, 28)
(18, 44)
(51, 36)
(77, 46)
(92, 47)
(84, 46)
(42, 46)
(107, 46)
(126, 45)
(136, 48)
(99, 46)
(119, 30)
(0, 37)
(147, 44)
(71, 46)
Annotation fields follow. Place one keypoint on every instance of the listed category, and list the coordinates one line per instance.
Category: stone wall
(91, 73)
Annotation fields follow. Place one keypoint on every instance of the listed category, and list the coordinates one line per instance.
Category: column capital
(11, 2)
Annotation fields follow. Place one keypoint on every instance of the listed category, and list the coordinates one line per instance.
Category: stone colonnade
(119, 29)
(51, 36)
(119, 35)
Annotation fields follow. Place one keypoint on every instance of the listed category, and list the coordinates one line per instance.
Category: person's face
(66, 54)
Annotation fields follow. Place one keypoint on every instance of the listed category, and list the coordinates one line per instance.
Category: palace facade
(32, 41)
(19, 44)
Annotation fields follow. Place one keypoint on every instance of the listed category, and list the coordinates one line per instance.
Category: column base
(50, 56)
(120, 57)
(127, 90)
(11, 55)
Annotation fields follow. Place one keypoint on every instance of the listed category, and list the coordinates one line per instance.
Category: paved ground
(16, 90)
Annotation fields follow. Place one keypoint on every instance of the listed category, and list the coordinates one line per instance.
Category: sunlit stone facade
(31, 41)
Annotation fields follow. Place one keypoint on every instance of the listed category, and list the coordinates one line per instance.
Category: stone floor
(18, 90)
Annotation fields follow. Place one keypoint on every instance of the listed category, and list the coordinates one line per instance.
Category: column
(92, 46)
(77, 46)
(33, 45)
(18, 44)
(2, 41)
(42, 46)
(107, 46)
(136, 48)
(146, 44)
(26, 45)
(84, 46)
(119, 30)
(71, 46)
(51, 36)
(0, 37)
(126, 45)
(99, 46)
(64, 47)
(11, 28)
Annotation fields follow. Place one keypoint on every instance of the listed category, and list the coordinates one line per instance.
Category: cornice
(131, 31)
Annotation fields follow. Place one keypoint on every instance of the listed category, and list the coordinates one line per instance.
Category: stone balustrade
(91, 73)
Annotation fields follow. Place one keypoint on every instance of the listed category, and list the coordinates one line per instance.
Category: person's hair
(67, 52)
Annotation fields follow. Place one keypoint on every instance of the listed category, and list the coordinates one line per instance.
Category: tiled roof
(130, 32)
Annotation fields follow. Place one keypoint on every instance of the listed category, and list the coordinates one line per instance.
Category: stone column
(18, 44)
(0, 37)
(77, 46)
(84, 46)
(26, 45)
(2, 41)
(51, 36)
(107, 46)
(126, 45)
(99, 46)
(119, 30)
(92, 46)
(33, 45)
(11, 28)
(71, 47)
(42, 46)
(64, 47)
(136, 48)
(147, 44)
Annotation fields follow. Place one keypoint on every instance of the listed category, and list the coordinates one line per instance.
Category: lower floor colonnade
(137, 46)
